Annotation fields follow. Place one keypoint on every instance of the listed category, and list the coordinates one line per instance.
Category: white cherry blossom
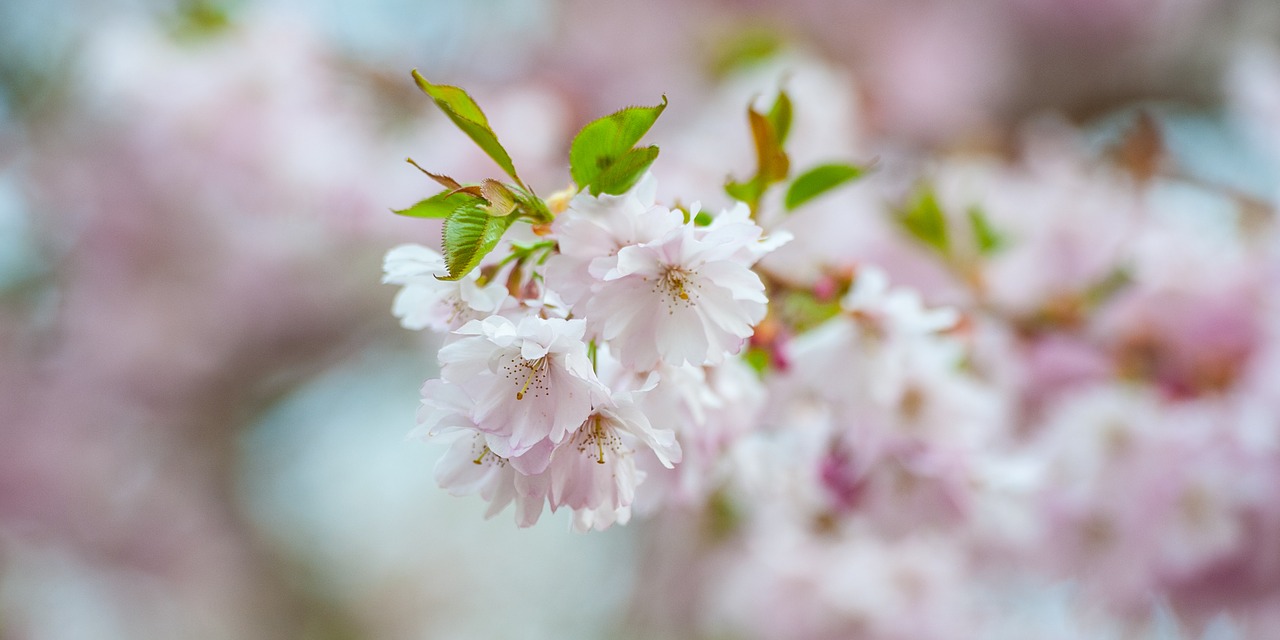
(593, 229)
(678, 300)
(530, 381)
(425, 301)
(470, 466)
(736, 222)
(594, 471)
(897, 311)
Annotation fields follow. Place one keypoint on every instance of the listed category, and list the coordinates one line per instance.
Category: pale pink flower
(599, 519)
(1068, 222)
(867, 355)
(735, 225)
(679, 300)
(1144, 495)
(425, 301)
(470, 466)
(709, 408)
(784, 581)
(896, 311)
(530, 381)
(594, 471)
(907, 486)
(446, 408)
(593, 229)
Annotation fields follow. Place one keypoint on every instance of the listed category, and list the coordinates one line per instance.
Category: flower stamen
(533, 371)
(675, 282)
(598, 432)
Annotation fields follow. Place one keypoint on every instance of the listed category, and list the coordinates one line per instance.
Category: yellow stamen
(533, 370)
(599, 442)
(674, 279)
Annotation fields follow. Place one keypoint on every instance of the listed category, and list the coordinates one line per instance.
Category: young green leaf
(804, 311)
(466, 114)
(743, 49)
(818, 181)
(199, 19)
(440, 205)
(758, 359)
(502, 201)
(531, 206)
(623, 174)
(985, 236)
(604, 142)
(772, 163)
(780, 117)
(1114, 282)
(470, 233)
(446, 181)
(923, 219)
(748, 192)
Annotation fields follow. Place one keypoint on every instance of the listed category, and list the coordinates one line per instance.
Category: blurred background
(203, 394)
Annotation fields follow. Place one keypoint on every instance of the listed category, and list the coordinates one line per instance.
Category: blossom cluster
(554, 357)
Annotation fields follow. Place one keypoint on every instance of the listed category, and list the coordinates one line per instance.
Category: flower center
(593, 438)
(529, 376)
(486, 455)
(458, 309)
(677, 287)
(537, 369)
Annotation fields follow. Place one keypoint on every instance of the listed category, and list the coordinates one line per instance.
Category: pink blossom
(594, 471)
(529, 381)
(425, 301)
(680, 299)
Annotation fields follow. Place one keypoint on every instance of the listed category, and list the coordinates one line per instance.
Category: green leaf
(985, 236)
(748, 192)
(1114, 282)
(198, 19)
(466, 114)
(744, 49)
(440, 205)
(623, 174)
(818, 181)
(780, 117)
(703, 219)
(604, 142)
(772, 163)
(804, 311)
(470, 233)
(531, 206)
(758, 359)
(502, 201)
(723, 518)
(923, 219)
(772, 160)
